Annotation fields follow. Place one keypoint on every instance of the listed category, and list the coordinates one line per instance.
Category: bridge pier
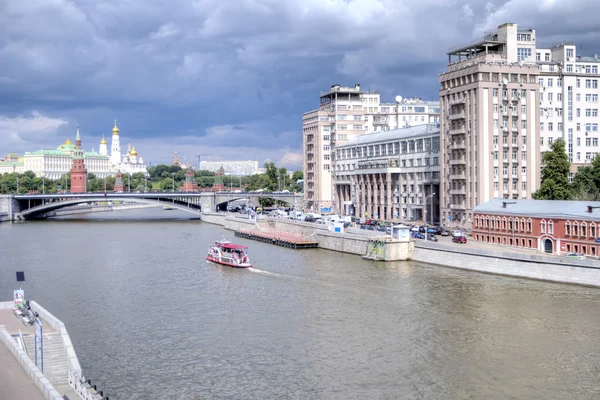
(9, 207)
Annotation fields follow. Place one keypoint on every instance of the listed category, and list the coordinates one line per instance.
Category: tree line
(160, 177)
(555, 177)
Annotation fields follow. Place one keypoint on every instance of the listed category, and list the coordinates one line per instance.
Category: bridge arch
(38, 211)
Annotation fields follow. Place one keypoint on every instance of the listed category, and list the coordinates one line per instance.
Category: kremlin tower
(78, 170)
(115, 152)
(118, 182)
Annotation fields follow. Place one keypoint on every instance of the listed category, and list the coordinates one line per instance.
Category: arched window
(543, 226)
(510, 224)
(583, 232)
(523, 224)
(550, 227)
(487, 221)
(568, 228)
(476, 221)
(504, 223)
(529, 225)
(593, 230)
(575, 229)
(497, 222)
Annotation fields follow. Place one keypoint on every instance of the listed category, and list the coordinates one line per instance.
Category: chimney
(503, 204)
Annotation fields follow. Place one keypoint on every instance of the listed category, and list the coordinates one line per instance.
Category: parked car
(431, 237)
(576, 255)
(445, 233)
(417, 235)
(459, 239)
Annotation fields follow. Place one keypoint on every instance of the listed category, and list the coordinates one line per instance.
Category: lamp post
(173, 174)
(431, 210)
(17, 185)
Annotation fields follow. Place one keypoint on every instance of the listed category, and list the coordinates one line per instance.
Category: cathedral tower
(78, 170)
(103, 148)
(115, 149)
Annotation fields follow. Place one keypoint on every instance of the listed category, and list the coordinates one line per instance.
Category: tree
(555, 174)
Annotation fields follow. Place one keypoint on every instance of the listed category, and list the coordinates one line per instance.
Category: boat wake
(260, 271)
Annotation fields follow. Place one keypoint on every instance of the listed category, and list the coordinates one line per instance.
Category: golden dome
(133, 152)
(68, 141)
(115, 130)
(103, 141)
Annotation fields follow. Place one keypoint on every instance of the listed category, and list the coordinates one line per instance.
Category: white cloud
(28, 133)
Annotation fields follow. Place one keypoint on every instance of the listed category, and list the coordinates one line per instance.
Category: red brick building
(550, 226)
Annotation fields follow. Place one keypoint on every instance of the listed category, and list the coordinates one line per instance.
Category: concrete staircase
(56, 361)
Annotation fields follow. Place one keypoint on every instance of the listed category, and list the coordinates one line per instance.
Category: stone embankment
(356, 241)
(353, 241)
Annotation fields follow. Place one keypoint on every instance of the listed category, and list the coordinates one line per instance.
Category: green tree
(555, 174)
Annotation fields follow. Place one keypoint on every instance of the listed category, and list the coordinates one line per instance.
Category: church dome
(68, 141)
(103, 141)
(115, 130)
(133, 152)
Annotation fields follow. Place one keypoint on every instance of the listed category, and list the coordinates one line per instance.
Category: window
(529, 225)
(326, 147)
(550, 227)
(568, 228)
(569, 52)
(543, 226)
(495, 92)
(583, 230)
(523, 53)
(326, 167)
(592, 230)
(550, 80)
(575, 228)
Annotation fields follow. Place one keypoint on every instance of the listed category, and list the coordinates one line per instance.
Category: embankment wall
(581, 272)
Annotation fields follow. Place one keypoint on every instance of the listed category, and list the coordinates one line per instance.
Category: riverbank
(498, 262)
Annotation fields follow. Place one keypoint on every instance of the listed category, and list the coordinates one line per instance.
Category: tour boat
(168, 208)
(226, 253)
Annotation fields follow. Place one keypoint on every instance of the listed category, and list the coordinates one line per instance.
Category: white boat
(226, 253)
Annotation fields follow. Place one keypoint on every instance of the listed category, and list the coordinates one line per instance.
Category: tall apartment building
(343, 113)
(569, 101)
(489, 103)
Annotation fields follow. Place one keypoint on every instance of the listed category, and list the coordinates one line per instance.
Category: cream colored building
(490, 121)
(344, 113)
(390, 175)
(569, 101)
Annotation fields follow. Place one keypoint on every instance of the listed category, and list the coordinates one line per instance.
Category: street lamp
(17, 185)
(431, 210)
(173, 174)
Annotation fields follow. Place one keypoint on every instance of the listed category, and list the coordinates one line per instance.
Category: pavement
(14, 382)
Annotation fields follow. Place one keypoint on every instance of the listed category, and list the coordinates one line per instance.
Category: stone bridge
(26, 206)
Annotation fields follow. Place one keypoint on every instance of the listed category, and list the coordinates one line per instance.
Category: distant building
(549, 226)
(12, 163)
(390, 175)
(344, 113)
(78, 170)
(239, 168)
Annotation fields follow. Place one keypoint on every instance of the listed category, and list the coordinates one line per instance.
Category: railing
(22, 342)
(84, 389)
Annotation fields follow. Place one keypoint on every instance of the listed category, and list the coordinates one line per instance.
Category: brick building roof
(541, 208)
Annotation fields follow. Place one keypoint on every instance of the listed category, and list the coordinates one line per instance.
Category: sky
(231, 78)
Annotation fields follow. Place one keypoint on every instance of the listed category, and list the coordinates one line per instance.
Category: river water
(150, 319)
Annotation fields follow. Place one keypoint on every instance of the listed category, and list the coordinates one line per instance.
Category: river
(150, 319)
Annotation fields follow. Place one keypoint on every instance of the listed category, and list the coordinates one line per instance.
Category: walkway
(13, 325)
(14, 382)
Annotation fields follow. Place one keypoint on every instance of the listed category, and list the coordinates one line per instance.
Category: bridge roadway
(26, 206)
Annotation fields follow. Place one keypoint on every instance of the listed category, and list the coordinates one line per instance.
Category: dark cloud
(187, 70)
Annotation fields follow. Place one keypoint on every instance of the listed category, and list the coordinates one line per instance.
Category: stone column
(368, 205)
(389, 205)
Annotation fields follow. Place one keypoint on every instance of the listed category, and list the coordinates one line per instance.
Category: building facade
(12, 163)
(239, 168)
(489, 103)
(390, 175)
(53, 164)
(550, 226)
(569, 94)
(344, 113)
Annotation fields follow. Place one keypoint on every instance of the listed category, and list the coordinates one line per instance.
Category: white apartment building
(569, 101)
(344, 113)
(390, 175)
(489, 100)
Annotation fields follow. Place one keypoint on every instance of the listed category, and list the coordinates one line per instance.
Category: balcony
(457, 176)
(457, 131)
(458, 146)
(381, 121)
(505, 129)
(458, 115)
(462, 206)
(457, 161)
(458, 191)
(456, 101)
(504, 144)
